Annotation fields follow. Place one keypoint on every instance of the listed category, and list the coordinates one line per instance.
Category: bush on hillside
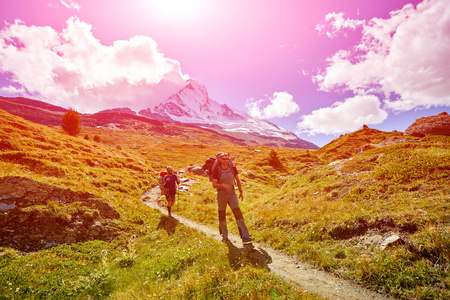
(97, 139)
(71, 122)
(274, 160)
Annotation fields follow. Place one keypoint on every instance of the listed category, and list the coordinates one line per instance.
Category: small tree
(274, 161)
(71, 122)
(97, 139)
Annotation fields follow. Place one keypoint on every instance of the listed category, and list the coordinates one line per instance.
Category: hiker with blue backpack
(171, 182)
(224, 175)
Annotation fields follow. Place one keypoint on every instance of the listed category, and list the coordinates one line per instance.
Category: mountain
(125, 110)
(193, 105)
(124, 118)
(50, 115)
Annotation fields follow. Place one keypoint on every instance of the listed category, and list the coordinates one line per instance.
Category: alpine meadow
(74, 226)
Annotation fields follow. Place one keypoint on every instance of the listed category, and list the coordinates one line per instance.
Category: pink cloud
(406, 57)
(345, 116)
(73, 69)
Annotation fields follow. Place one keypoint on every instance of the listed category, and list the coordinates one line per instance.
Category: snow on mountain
(194, 106)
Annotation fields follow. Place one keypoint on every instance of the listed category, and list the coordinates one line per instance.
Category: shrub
(274, 160)
(97, 139)
(71, 122)
(86, 137)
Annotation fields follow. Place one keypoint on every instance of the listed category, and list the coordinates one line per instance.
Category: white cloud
(345, 116)
(406, 57)
(281, 105)
(335, 22)
(71, 4)
(12, 91)
(72, 68)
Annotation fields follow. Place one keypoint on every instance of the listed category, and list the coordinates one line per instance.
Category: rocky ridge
(432, 125)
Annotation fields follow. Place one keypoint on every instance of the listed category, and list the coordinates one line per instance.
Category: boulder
(393, 240)
(433, 125)
(198, 171)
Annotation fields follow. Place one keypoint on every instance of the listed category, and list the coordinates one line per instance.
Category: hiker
(224, 175)
(170, 183)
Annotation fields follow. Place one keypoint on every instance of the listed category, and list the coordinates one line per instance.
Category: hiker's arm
(218, 185)
(239, 185)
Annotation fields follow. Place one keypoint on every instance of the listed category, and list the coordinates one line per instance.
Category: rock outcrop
(36, 216)
(433, 125)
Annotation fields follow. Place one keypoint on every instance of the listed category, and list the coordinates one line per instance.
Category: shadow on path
(238, 257)
(168, 223)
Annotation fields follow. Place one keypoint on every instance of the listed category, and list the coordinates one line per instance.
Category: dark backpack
(211, 164)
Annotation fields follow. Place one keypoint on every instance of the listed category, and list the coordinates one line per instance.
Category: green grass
(323, 213)
(151, 256)
(315, 210)
(182, 264)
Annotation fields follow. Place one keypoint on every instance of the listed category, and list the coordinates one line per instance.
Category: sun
(179, 10)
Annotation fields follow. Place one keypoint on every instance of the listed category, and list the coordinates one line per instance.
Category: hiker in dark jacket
(170, 183)
(223, 178)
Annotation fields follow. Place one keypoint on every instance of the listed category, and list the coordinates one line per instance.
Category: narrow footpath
(315, 281)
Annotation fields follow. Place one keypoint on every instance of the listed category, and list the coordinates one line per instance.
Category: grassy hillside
(80, 231)
(332, 207)
(336, 214)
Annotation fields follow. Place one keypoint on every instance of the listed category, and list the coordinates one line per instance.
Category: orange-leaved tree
(71, 122)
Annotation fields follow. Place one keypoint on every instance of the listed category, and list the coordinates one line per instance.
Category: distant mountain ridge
(50, 115)
(193, 105)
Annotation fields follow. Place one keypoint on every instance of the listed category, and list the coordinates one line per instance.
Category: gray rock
(391, 241)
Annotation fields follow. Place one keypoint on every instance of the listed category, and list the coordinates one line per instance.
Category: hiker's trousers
(225, 198)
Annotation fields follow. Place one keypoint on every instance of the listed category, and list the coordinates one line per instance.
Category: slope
(380, 217)
(72, 224)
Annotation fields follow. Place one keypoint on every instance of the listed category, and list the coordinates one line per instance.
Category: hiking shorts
(225, 197)
(170, 199)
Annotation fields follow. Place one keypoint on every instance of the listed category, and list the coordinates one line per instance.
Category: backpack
(161, 181)
(212, 163)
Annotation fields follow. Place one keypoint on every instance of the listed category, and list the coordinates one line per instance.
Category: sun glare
(177, 10)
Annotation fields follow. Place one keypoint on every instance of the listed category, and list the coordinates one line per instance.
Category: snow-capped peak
(193, 105)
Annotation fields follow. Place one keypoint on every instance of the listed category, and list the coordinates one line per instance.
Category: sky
(319, 69)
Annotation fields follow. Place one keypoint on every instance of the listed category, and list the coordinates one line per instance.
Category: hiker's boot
(247, 243)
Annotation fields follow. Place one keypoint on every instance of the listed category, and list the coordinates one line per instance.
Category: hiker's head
(169, 170)
(224, 157)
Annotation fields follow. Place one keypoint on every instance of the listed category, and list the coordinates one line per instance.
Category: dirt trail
(319, 282)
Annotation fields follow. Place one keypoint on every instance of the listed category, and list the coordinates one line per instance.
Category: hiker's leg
(170, 202)
(234, 205)
(223, 224)
(243, 230)
(222, 207)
